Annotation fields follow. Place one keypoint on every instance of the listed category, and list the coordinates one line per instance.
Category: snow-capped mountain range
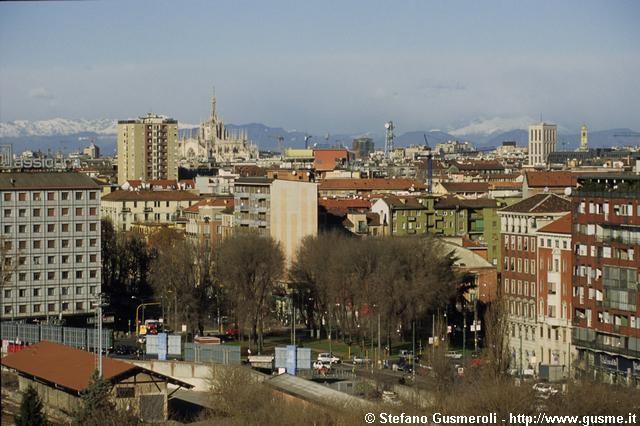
(62, 126)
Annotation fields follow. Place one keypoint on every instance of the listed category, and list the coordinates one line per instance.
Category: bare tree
(250, 266)
(497, 336)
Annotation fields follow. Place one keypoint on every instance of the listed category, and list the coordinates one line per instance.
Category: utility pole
(475, 324)
(379, 344)
(464, 332)
(520, 332)
(413, 357)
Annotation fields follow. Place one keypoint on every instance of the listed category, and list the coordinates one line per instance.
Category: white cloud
(41, 93)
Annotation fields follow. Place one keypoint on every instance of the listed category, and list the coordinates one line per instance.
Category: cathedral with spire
(212, 142)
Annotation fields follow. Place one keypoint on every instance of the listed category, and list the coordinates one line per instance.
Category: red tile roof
(343, 203)
(63, 365)
(466, 186)
(151, 196)
(559, 226)
(210, 202)
(544, 179)
(371, 184)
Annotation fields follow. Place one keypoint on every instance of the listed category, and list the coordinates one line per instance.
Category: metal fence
(83, 338)
(218, 354)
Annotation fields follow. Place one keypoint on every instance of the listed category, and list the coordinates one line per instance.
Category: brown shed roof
(542, 179)
(69, 367)
(540, 203)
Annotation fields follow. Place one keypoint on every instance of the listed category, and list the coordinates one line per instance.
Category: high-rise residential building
(606, 280)
(286, 210)
(520, 223)
(50, 244)
(542, 141)
(147, 148)
(554, 294)
(362, 147)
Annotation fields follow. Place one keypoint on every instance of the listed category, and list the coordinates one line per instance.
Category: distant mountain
(71, 135)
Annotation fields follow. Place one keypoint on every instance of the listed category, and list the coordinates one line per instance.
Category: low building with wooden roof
(61, 373)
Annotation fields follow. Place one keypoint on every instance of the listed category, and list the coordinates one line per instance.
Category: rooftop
(372, 184)
(454, 202)
(46, 180)
(151, 196)
(210, 202)
(558, 226)
(540, 203)
(466, 186)
(69, 368)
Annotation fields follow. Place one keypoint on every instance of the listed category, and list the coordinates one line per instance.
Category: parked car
(545, 389)
(328, 358)
(319, 365)
(404, 353)
(359, 359)
(453, 355)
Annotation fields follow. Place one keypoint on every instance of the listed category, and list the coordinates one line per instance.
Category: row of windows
(38, 307)
(556, 243)
(522, 243)
(51, 260)
(51, 244)
(51, 275)
(51, 227)
(520, 288)
(51, 291)
(516, 265)
(50, 195)
(51, 212)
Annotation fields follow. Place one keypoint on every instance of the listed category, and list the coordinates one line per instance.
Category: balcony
(594, 345)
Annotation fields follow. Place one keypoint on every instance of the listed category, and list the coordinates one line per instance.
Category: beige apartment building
(542, 141)
(125, 208)
(287, 210)
(147, 148)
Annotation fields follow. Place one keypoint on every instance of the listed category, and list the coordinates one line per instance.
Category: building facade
(554, 294)
(606, 296)
(520, 223)
(50, 238)
(542, 141)
(147, 148)
(125, 208)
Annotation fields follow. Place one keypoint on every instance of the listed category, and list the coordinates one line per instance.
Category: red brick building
(606, 297)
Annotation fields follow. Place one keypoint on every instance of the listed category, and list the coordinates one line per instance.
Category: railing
(602, 347)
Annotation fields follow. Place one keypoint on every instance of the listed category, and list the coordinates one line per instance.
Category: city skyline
(343, 68)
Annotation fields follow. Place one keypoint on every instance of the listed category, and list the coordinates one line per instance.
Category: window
(51, 227)
(93, 242)
(125, 392)
(79, 258)
(36, 307)
(51, 307)
(79, 211)
(93, 226)
(22, 212)
(65, 211)
(7, 229)
(79, 275)
(22, 196)
(36, 276)
(93, 258)
(92, 195)
(7, 196)
(51, 275)
(36, 260)
(79, 306)
(51, 260)
(65, 227)
(36, 196)
(78, 195)
(51, 196)
(7, 212)
(37, 244)
(36, 292)
(22, 309)
(78, 227)
(7, 309)
(22, 292)
(65, 306)
(51, 291)
(36, 212)
(93, 211)
(65, 259)
(64, 196)
(92, 289)
(93, 273)
(51, 244)
(78, 291)
(7, 294)
(79, 242)
(65, 276)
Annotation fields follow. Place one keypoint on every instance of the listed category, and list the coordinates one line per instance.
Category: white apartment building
(542, 141)
(50, 244)
(124, 208)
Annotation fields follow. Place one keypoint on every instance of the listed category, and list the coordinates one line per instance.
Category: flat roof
(45, 180)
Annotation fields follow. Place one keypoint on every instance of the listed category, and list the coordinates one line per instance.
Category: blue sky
(324, 66)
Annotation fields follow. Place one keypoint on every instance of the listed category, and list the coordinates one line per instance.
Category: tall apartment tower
(50, 245)
(147, 148)
(542, 141)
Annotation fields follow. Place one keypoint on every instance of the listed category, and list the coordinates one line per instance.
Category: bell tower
(584, 142)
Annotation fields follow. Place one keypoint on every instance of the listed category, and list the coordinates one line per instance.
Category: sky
(326, 66)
